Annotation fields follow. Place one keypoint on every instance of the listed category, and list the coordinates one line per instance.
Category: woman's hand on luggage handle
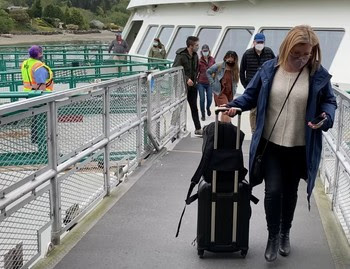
(232, 111)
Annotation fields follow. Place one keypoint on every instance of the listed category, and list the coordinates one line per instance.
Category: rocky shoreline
(65, 37)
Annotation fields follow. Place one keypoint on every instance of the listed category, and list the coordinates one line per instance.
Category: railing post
(16, 60)
(337, 166)
(107, 128)
(150, 90)
(64, 52)
(139, 129)
(55, 184)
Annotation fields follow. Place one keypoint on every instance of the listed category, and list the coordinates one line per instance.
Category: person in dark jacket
(251, 61)
(119, 46)
(294, 148)
(188, 59)
(203, 85)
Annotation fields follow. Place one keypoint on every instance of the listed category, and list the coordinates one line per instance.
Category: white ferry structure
(231, 25)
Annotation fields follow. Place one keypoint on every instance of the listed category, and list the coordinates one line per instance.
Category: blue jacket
(215, 73)
(321, 99)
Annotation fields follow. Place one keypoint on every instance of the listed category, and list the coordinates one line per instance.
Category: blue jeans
(202, 89)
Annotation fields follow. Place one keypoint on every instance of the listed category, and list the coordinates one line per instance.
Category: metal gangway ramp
(96, 177)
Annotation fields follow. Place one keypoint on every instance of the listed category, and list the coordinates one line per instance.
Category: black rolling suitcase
(223, 194)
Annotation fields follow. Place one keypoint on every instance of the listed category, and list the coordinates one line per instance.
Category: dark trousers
(192, 101)
(283, 168)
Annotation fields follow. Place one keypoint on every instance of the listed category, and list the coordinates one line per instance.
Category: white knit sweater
(290, 127)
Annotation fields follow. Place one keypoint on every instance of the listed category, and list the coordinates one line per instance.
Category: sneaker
(198, 132)
(203, 118)
(208, 112)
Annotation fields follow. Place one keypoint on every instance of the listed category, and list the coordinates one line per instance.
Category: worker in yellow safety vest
(35, 74)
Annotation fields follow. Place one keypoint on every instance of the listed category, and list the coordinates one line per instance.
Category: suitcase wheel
(201, 253)
(244, 253)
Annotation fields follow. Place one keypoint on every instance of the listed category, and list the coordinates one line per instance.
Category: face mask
(195, 49)
(230, 63)
(205, 53)
(155, 44)
(298, 62)
(259, 47)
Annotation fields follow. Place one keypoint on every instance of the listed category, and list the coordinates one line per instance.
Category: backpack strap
(189, 199)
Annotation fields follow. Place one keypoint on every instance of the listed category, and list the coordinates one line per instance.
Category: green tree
(53, 11)
(69, 3)
(100, 11)
(77, 18)
(119, 18)
(37, 9)
(6, 23)
(20, 16)
(19, 2)
(121, 6)
(67, 16)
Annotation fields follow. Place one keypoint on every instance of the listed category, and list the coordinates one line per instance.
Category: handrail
(335, 161)
(57, 170)
(87, 74)
(52, 58)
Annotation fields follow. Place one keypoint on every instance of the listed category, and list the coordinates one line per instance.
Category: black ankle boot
(284, 248)
(272, 247)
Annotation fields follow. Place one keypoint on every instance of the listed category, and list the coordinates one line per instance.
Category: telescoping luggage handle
(235, 185)
(219, 109)
(195, 180)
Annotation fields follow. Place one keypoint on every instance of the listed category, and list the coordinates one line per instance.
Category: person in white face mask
(296, 103)
(252, 59)
(157, 50)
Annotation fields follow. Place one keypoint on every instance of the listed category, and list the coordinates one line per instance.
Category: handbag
(257, 173)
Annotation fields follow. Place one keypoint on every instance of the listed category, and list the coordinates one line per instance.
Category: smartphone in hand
(319, 120)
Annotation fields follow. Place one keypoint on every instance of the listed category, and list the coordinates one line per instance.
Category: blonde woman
(223, 78)
(286, 136)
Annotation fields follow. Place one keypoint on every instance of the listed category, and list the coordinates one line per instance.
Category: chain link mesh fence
(335, 165)
(342, 200)
(123, 103)
(23, 149)
(52, 151)
(80, 122)
(20, 232)
(81, 186)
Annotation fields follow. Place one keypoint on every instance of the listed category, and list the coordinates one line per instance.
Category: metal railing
(61, 153)
(53, 47)
(70, 58)
(73, 76)
(335, 161)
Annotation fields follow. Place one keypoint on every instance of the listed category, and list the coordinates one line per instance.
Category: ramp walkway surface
(139, 230)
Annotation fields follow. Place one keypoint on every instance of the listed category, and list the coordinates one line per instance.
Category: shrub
(53, 11)
(36, 10)
(21, 16)
(6, 23)
(77, 18)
